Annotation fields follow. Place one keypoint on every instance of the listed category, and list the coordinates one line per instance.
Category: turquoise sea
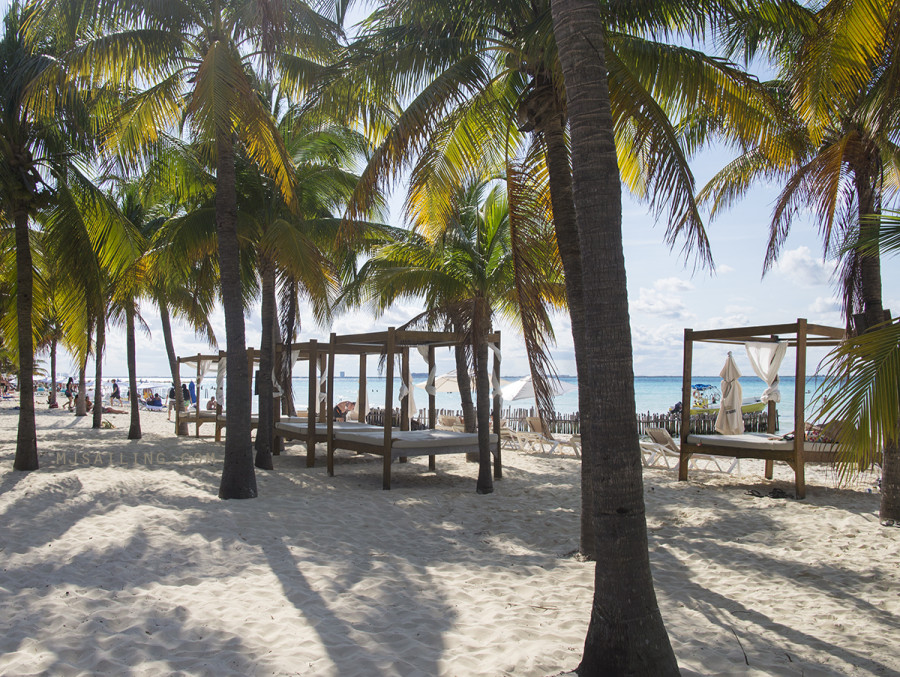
(653, 394)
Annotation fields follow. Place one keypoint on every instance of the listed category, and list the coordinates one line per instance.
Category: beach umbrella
(445, 383)
(523, 389)
(730, 421)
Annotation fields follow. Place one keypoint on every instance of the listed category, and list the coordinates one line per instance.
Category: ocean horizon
(653, 394)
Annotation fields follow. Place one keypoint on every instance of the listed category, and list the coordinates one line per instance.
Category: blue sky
(666, 293)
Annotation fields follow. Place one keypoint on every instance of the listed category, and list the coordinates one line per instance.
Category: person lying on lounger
(341, 409)
(105, 410)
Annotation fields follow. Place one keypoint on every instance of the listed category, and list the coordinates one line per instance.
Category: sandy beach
(117, 558)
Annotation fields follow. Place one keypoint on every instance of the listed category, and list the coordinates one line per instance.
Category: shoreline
(137, 567)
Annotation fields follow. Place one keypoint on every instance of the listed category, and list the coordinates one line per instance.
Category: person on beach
(170, 401)
(185, 396)
(341, 409)
(69, 393)
(115, 395)
(211, 405)
(105, 410)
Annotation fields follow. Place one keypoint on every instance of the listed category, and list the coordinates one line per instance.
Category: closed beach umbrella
(730, 421)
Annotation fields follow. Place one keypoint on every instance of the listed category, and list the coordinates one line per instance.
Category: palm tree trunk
(559, 172)
(98, 374)
(464, 383)
(485, 483)
(873, 309)
(870, 262)
(26, 438)
(80, 404)
(287, 362)
(266, 350)
(626, 634)
(238, 476)
(166, 321)
(52, 402)
(134, 430)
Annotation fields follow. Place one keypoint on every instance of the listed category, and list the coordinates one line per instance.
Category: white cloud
(825, 305)
(664, 299)
(724, 269)
(803, 268)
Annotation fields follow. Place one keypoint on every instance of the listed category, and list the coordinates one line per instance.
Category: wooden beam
(388, 410)
(330, 405)
(498, 466)
(363, 395)
(686, 402)
(799, 413)
(432, 408)
(313, 392)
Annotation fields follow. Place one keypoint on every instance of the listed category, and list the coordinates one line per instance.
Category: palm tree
(478, 81)
(861, 388)
(295, 246)
(466, 267)
(834, 147)
(28, 144)
(199, 59)
(626, 634)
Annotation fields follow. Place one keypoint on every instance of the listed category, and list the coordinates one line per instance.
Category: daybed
(767, 447)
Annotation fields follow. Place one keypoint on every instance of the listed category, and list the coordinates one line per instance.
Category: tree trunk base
(890, 487)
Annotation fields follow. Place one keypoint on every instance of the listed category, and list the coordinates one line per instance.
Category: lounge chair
(671, 449)
(545, 437)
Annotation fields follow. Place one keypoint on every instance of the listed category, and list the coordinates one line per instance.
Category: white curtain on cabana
(220, 381)
(203, 370)
(730, 420)
(323, 378)
(766, 358)
(432, 372)
(496, 384)
(406, 391)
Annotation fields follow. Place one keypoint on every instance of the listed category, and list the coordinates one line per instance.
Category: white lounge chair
(670, 449)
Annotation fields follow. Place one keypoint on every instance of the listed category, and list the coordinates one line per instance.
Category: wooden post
(771, 425)
(404, 376)
(686, 402)
(432, 413)
(197, 407)
(312, 405)
(219, 404)
(388, 406)
(362, 390)
(498, 467)
(277, 440)
(404, 401)
(330, 403)
(799, 414)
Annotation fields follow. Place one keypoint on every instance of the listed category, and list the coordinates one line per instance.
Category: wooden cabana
(219, 416)
(799, 335)
(311, 428)
(199, 416)
(387, 442)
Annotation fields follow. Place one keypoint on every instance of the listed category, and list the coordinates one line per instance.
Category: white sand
(112, 564)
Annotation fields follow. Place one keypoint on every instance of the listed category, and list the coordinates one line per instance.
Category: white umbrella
(523, 389)
(445, 383)
(729, 420)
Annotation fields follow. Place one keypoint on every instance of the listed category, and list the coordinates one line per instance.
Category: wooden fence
(570, 424)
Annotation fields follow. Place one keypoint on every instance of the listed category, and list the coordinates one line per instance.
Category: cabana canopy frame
(799, 335)
(391, 343)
